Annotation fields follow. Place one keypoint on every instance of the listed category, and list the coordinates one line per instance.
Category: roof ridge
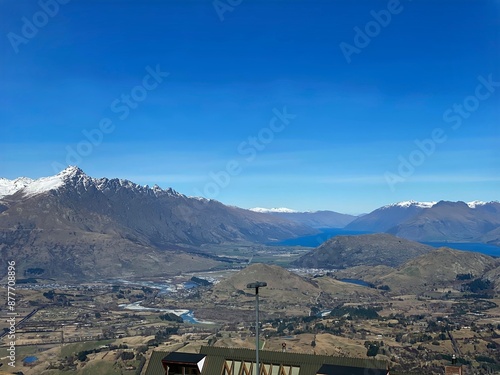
(293, 357)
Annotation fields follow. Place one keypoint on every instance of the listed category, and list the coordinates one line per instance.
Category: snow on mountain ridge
(9, 187)
(267, 210)
(29, 187)
(42, 185)
(407, 204)
(474, 204)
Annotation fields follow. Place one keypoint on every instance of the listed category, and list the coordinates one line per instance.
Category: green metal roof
(308, 363)
(154, 365)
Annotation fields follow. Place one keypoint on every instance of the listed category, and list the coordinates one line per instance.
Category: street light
(256, 285)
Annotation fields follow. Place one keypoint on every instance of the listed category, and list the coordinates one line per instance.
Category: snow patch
(474, 204)
(42, 185)
(9, 187)
(71, 176)
(50, 183)
(407, 204)
(267, 210)
(30, 187)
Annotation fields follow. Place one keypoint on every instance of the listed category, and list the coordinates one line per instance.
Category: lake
(317, 239)
(357, 282)
(31, 359)
(327, 233)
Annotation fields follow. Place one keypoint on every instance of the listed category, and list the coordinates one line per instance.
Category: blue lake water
(30, 359)
(357, 282)
(317, 239)
(327, 233)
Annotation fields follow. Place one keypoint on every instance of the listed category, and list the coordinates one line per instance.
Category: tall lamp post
(256, 285)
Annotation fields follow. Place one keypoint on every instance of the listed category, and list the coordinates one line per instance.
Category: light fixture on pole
(256, 285)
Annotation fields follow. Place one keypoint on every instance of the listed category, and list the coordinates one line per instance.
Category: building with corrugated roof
(241, 361)
(238, 361)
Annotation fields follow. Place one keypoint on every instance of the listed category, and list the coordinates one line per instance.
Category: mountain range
(435, 221)
(441, 221)
(78, 226)
(82, 226)
(315, 219)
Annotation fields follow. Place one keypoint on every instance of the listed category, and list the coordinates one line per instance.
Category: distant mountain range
(435, 221)
(77, 225)
(419, 221)
(315, 219)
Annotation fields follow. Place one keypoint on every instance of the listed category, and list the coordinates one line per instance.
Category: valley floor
(84, 329)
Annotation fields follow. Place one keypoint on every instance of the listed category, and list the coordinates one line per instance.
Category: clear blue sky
(354, 104)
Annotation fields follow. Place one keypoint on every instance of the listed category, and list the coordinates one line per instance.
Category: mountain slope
(451, 221)
(284, 288)
(286, 292)
(431, 221)
(279, 281)
(362, 250)
(386, 217)
(103, 218)
(492, 237)
(317, 219)
(438, 268)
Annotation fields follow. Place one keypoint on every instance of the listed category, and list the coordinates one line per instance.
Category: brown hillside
(282, 285)
(362, 250)
(435, 269)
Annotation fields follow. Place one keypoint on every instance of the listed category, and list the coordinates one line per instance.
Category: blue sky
(302, 104)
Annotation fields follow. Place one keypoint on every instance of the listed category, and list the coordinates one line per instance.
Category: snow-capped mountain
(475, 204)
(407, 204)
(9, 187)
(435, 221)
(384, 218)
(75, 226)
(269, 210)
(79, 225)
(27, 187)
(452, 222)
